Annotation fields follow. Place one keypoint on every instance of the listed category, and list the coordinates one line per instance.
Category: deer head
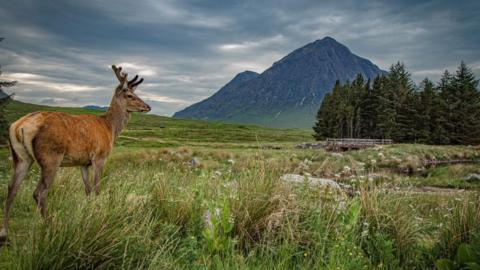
(125, 92)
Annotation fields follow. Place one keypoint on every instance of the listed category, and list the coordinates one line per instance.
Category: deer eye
(130, 96)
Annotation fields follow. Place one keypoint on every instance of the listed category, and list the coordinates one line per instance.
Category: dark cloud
(60, 51)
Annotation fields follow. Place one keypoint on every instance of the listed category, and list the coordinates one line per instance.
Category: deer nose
(149, 108)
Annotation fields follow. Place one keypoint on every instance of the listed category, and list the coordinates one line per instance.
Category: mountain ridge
(288, 93)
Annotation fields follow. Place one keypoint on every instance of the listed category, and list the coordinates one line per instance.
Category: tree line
(393, 107)
(4, 99)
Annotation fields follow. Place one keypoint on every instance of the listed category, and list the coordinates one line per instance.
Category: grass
(145, 130)
(230, 210)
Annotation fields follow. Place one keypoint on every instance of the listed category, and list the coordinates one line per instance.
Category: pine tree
(341, 113)
(4, 99)
(445, 109)
(327, 124)
(425, 117)
(400, 90)
(322, 127)
(368, 114)
(356, 95)
(386, 115)
(467, 110)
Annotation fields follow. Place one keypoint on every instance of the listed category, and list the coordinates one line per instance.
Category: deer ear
(121, 88)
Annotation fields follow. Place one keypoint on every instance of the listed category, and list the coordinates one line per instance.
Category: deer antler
(121, 76)
(132, 80)
(134, 84)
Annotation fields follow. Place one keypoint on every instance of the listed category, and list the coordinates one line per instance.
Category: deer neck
(116, 117)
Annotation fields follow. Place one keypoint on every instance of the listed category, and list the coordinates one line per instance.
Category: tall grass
(158, 210)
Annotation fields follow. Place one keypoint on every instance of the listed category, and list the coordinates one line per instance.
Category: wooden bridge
(346, 144)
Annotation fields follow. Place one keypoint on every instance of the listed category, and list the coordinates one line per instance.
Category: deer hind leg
(98, 173)
(49, 167)
(86, 179)
(21, 166)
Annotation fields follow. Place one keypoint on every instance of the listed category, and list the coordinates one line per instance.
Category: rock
(306, 145)
(307, 162)
(346, 169)
(376, 176)
(231, 161)
(472, 177)
(312, 181)
(304, 165)
(338, 155)
(194, 162)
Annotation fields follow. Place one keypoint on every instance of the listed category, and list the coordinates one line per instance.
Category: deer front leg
(86, 179)
(97, 174)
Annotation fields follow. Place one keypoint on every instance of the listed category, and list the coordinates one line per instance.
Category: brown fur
(55, 139)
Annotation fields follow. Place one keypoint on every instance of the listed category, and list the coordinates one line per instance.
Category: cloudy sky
(60, 51)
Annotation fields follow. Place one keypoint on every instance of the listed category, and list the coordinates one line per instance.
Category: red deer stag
(54, 140)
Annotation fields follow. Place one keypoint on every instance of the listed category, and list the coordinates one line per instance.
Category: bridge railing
(354, 141)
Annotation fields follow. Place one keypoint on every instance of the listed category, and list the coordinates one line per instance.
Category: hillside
(153, 130)
(289, 93)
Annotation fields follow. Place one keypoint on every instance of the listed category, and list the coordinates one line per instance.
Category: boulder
(472, 177)
(312, 181)
(194, 162)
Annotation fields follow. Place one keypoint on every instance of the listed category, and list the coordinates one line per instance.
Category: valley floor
(224, 206)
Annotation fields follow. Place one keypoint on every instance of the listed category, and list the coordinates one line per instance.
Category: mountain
(95, 107)
(288, 94)
(3, 94)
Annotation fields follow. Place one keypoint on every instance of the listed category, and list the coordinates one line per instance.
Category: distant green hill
(146, 130)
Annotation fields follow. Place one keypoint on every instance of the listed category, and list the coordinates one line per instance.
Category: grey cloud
(186, 50)
(49, 101)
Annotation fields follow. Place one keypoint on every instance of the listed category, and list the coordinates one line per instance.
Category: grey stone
(472, 177)
(194, 161)
(312, 181)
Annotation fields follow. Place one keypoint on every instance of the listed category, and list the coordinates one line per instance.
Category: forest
(393, 107)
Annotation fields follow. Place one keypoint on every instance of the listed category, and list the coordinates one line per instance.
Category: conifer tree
(467, 110)
(425, 117)
(4, 99)
(400, 88)
(445, 109)
(322, 126)
(327, 122)
(386, 115)
(357, 94)
(368, 113)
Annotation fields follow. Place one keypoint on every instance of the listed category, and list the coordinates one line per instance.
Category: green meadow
(187, 194)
